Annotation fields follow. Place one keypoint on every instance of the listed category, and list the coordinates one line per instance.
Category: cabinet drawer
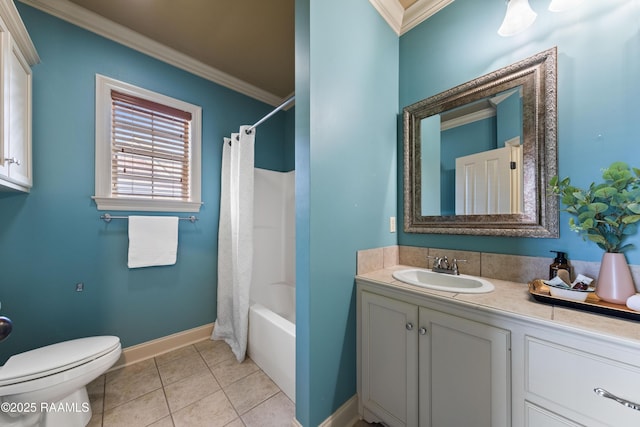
(565, 377)
(536, 416)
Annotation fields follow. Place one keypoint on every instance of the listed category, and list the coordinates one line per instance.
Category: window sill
(122, 204)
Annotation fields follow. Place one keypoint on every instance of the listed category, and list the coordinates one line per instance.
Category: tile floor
(197, 385)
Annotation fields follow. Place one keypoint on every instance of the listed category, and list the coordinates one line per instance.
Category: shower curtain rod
(265, 118)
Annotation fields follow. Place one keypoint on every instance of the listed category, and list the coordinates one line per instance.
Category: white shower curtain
(235, 241)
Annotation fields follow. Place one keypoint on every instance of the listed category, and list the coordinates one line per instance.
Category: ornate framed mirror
(478, 157)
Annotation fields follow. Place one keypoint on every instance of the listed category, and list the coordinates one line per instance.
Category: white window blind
(150, 149)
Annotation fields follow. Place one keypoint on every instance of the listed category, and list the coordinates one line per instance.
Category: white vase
(615, 283)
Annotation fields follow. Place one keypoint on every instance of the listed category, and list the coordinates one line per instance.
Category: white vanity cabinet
(423, 367)
(444, 360)
(17, 55)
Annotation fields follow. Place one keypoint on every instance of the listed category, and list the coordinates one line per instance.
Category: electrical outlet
(392, 224)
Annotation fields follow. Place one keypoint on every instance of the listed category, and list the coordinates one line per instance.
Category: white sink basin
(443, 282)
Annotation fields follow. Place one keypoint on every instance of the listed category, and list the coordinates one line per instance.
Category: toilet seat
(55, 358)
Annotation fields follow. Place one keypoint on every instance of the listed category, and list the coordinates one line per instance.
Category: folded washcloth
(153, 240)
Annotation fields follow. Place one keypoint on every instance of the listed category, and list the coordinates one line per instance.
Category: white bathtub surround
(153, 240)
(274, 229)
(235, 241)
(272, 345)
(272, 334)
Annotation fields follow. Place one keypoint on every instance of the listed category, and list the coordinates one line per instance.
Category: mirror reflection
(473, 155)
(478, 156)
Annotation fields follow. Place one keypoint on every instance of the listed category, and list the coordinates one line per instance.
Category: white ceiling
(246, 45)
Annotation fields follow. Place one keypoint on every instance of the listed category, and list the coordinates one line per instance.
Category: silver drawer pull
(604, 393)
(5, 327)
(422, 331)
(12, 160)
(409, 326)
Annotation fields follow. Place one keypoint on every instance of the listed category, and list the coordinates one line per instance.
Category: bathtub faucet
(442, 265)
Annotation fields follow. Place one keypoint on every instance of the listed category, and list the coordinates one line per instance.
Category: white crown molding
(392, 12)
(402, 20)
(76, 15)
(420, 11)
(468, 118)
(495, 100)
(18, 31)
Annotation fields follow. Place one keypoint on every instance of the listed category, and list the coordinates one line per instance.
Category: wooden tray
(540, 292)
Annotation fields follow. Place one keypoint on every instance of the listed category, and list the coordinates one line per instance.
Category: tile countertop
(513, 297)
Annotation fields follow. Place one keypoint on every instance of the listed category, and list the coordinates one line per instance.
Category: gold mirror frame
(538, 77)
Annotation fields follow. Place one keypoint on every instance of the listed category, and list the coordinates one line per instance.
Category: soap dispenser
(559, 263)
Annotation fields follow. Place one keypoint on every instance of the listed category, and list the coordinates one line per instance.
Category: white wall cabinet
(423, 367)
(17, 55)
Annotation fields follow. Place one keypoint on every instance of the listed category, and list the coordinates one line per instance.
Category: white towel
(153, 240)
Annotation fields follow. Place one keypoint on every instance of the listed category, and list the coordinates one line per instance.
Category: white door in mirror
(490, 182)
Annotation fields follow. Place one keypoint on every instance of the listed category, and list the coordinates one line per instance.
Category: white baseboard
(345, 416)
(153, 348)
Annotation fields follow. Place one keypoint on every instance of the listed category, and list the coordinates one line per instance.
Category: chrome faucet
(442, 265)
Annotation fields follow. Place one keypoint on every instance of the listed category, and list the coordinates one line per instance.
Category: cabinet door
(465, 372)
(389, 360)
(17, 105)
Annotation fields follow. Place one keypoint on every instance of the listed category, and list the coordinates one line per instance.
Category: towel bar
(108, 217)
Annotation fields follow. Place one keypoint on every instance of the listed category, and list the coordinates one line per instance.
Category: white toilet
(46, 387)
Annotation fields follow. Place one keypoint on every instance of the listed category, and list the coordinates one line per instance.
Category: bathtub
(272, 334)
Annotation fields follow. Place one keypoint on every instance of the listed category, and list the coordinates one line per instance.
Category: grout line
(264, 401)
(164, 393)
(222, 389)
(104, 395)
(227, 396)
(210, 369)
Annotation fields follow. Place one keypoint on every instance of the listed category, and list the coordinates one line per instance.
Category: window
(147, 150)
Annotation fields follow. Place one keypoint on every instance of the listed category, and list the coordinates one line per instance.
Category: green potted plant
(607, 214)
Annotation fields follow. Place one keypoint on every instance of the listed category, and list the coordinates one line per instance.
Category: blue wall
(53, 238)
(352, 74)
(598, 94)
(509, 119)
(347, 99)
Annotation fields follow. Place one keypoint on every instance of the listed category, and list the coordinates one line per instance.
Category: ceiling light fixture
(519, 17)
(562, 5)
